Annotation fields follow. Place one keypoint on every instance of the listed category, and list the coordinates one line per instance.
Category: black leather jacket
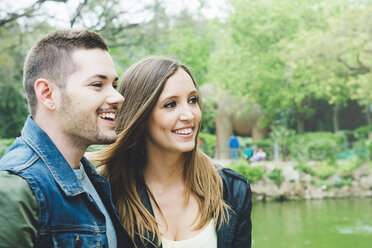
(237, 194)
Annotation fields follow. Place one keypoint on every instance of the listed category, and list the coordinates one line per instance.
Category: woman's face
(175, 119)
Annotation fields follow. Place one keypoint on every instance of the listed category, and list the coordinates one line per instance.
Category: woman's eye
(170, 104)
(194, 100)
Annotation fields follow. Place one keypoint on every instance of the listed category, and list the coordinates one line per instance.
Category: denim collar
(44, 147)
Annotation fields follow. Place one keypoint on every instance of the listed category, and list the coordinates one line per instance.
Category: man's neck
(71, 150)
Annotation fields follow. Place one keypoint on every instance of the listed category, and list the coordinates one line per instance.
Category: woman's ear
(44, 91)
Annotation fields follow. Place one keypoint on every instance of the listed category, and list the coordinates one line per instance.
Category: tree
(248, 62)
(338, 55)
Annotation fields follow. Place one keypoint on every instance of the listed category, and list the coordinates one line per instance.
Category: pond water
(336, 223)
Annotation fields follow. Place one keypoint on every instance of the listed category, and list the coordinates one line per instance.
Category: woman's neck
(163, 168)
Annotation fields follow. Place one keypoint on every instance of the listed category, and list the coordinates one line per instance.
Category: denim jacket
(68, 217)
(237, 194)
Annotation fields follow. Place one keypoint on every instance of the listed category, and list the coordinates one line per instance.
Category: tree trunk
(336, 109)
(300, 123)
(368, 109)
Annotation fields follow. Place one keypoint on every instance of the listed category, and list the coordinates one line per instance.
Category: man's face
(87, 105)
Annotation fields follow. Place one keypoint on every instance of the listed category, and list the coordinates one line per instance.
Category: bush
(324, 170)
(4, 144)
(344, 181)
(363, 132)
(207, 143)
(348, 165)
(95, 148)
(302, 167)
(252, 173)
(276, 176)
(316, 146)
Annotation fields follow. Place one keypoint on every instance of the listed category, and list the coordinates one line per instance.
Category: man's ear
(45, 93)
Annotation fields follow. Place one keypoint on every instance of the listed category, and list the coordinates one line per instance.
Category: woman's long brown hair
(122, 163)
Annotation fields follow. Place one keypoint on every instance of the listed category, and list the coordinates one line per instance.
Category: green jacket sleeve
(18, 212)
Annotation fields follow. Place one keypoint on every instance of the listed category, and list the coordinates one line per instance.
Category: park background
(306, 65)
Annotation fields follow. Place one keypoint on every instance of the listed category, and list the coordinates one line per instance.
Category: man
(234, 147)
(50, 196)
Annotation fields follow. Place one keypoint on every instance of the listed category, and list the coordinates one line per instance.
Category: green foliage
(194, 50)
(4, 144)
(348, 165)
(95, 148)
(316, 146)
(343, 182)
(207, 143)
(362, 145)
(276, 176)
(252, 173)
(324, 170)
(13, 110)
(208, 121)
(303, 167)
(363, 132)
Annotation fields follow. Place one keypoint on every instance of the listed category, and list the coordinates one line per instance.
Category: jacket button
(78, 243)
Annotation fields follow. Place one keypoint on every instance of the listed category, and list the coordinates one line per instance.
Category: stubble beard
(82, 131)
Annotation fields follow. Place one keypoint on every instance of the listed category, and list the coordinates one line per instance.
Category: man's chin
(106, 140)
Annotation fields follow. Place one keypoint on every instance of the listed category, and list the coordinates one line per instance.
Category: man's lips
(107, 115)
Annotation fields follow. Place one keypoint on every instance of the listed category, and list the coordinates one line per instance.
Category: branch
(77, 13)
(361, 65)
(10, 17)
(359, 70)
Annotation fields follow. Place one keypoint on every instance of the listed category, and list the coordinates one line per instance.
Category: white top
(207, 238)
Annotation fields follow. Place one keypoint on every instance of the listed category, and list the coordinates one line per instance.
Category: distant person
(254, 153)
(234, 147)
(258, 154)
(161, 181)
(50, 195)
(248, 152)
(261, 155)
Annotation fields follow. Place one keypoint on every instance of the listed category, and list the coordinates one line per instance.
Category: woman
(168, 193)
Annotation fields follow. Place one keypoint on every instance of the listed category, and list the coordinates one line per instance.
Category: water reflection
(339, 223)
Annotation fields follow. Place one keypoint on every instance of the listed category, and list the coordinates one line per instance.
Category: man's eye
(97, 84)
(170, 104)
(194, 100)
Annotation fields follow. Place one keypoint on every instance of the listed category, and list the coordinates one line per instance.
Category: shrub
(348, 165)
(305, 168)
(207, 143)
(363, 132)
(316, 146)
(95, 148)
(276, 176)
(4, 144)
(343, 181)
(252, 173)
(324, 170)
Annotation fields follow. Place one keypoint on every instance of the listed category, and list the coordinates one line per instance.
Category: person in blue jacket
(50, 195)
(234, 147)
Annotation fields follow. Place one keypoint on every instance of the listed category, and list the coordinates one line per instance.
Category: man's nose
(115, 97)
